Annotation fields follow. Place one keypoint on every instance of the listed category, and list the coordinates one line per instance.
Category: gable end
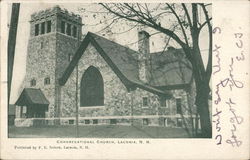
(130, 85)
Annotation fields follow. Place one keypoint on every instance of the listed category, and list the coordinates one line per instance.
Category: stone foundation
(28, 122)
(174, 122)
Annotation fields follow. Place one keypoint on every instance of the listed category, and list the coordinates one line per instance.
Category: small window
(178, 105)
(69, 57)
(33, 82)
(69, 29)
(87, 121)
(48, 26)
(47, 81)
(71, 121)
(24, 109)
(165, 120)
(145, 121)
(163, 102)
(179, 122)
(74, 31)
(95, 121)
(43, 28)
(36, 29)
(41, 45)
(113, 121)
(145, 101)
(63, 27)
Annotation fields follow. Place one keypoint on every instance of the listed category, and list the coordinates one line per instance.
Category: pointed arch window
(92, 89)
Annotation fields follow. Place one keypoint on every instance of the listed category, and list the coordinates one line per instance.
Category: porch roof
(32, 96)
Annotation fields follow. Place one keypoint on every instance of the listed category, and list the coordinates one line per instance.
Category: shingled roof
(170, 69)
(30, 96)
(124, 63)
(122, 57)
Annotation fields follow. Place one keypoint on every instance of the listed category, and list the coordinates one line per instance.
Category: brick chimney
(144, 55)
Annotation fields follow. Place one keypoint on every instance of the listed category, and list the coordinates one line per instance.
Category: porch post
(21, 112)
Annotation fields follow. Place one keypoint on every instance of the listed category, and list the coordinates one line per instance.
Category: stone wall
(40, 64)
(48, 54)
(65, 46)
(48, 57)
(118, 103)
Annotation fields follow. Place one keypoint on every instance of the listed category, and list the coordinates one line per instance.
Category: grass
(97, 131)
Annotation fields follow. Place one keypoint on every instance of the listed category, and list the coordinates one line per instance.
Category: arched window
(92, 91)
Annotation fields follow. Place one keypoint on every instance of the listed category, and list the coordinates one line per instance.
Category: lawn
(97, 131)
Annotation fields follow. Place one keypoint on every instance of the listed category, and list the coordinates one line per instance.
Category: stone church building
(101, 80)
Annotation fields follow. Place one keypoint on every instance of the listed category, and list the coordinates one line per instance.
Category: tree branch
(187, 14)
(179, 21)
(203, 24)
(209, 64)
(109, 25)
(149, 23)
(195, 37)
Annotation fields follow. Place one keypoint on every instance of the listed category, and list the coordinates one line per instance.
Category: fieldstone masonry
(48, 56)
(118, 102)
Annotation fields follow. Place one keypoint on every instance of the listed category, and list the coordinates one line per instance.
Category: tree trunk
(202, 86)
(12, 43)
(203, 110)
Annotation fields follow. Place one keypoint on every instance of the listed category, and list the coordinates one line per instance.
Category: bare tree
(12, 43)
(190, 20)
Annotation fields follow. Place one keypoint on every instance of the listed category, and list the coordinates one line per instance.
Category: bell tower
(54, 37)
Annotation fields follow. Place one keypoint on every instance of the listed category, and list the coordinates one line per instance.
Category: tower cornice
(58, 12)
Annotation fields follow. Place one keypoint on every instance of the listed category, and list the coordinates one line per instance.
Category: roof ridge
(113, 42)
(175, 49)
(33, 88)
(33, 96)
(123, 60)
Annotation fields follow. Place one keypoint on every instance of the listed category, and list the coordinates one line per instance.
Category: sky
(93, 22)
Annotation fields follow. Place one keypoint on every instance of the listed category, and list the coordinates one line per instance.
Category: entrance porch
(32, 103)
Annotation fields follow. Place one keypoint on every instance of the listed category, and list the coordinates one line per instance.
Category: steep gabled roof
(122, 57)
(169, 69)
(118, 57)
(30, 96)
